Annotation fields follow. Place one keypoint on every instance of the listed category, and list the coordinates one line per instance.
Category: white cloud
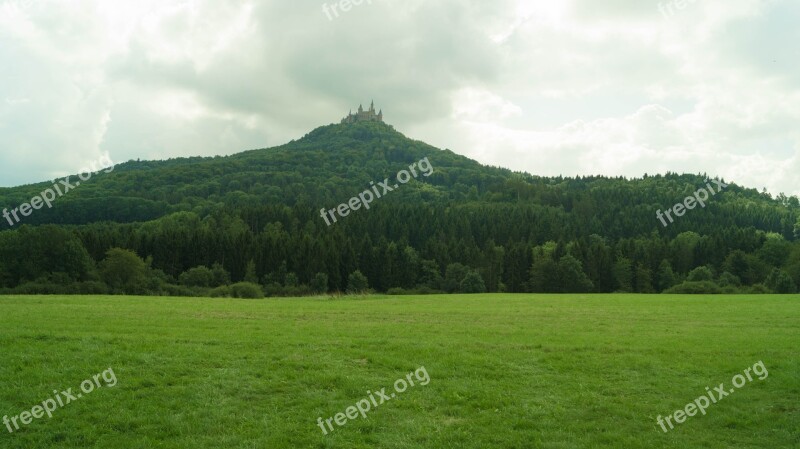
(572, 87)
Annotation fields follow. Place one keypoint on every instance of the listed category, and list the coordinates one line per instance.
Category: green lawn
(506, 371)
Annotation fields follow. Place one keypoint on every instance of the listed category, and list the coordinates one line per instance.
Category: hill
(267, 216)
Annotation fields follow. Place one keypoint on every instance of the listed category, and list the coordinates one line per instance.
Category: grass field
(506, 371)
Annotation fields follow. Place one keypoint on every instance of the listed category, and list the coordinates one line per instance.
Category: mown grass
(507, 371)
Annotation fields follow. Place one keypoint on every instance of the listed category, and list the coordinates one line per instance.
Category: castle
(364, 116)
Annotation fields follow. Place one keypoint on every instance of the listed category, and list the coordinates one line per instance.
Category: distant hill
(328, 164)
(264, 206)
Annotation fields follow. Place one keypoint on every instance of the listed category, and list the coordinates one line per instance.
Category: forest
(248, 225)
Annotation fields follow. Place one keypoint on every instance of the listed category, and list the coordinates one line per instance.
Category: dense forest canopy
(250, 223)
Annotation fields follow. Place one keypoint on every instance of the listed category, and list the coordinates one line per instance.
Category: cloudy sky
(612, 87)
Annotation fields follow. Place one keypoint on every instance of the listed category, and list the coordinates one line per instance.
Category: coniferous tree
(666, 277)
(623, 275)
(250, 275)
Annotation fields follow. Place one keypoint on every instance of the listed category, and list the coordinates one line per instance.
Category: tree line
(386, 251)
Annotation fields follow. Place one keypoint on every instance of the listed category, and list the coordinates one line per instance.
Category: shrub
(472, 283)
(92, 288)
(727, 279)
(220, 292)
(357, 283)
(693, 288)
(197, 277)
(299, 290)
(179, 290)
(247, 290)
(700, 274)
(39, 288)
(273, 289)
(759, 289)
(425, 290)
(123, 271)
(397, 291)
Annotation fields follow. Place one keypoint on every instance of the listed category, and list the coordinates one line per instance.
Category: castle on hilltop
(364, 116)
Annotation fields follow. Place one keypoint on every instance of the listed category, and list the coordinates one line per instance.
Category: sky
(567, 87)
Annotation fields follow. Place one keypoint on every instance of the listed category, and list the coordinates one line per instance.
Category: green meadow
(506, 371)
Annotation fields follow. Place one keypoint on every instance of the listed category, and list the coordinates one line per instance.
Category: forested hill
(328, 165)
(256, 216)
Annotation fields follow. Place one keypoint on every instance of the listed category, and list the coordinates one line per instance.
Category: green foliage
(247, 290)
(123, 271)
(472, 283)
(758, 289)
(454, 275)
(747, 267)
(666, 277)
(221, 292)
(564, 276)
(701, 274)
(220, 276)
(694, 288)
(430, 277)
(775, 250)
(643, 280)
(571, 276)
(250, 275)
(729, 280)
(357, 283)
(623, 275)
(32, 253)
(320, 283)
(544, 272)
(797, 229)
(291, 280)
(197, 277)
(780, 282)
